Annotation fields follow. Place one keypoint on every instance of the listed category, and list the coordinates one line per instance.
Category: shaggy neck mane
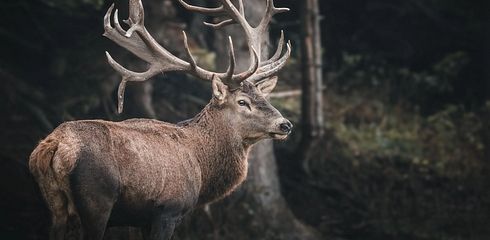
(221, 152)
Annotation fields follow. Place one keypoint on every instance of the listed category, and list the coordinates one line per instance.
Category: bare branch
(285, 94)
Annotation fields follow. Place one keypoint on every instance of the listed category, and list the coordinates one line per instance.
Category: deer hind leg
(95, 191)
(59, 217)
(57, 204)
(94, 216)
(74, 226)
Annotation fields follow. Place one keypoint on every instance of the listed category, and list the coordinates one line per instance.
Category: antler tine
(272, 68)
(134, 43)
(270, 11)
(278, 52)
(116, 23)
(188, 52)
(279, 63)
(127, 75)
(238, 15)
(255, 34)
(254, 39)
(241, 9)
(218, 11)
(231, 67)
(254, 65)
(136, 19)
(221, 24)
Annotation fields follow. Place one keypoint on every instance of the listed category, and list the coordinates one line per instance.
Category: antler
(254, 35)
(139, 42)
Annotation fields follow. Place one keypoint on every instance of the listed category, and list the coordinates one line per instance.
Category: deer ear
(219, 90)
(267, 85)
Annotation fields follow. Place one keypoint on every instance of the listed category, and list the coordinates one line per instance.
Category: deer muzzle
(283, 128)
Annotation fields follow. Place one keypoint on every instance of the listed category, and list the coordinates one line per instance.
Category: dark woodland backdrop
(405, 148)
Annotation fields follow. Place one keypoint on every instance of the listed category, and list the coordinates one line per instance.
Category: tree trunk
(312, 86)
(257, 210)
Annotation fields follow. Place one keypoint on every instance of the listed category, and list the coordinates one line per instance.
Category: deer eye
(243, 103)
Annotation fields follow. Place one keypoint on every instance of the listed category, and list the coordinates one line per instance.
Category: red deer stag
(147, 173)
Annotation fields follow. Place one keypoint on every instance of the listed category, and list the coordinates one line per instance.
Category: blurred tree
(312, 83)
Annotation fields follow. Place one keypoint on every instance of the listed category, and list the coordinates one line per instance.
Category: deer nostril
(286, 127)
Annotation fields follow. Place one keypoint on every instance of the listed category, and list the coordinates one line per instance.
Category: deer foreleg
(163, 225)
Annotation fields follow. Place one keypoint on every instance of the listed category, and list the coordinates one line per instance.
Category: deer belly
(138, 210)
(141, 199)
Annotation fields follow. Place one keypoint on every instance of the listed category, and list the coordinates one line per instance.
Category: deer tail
(50, 163)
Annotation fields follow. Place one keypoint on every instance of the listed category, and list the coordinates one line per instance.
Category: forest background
(404, 146)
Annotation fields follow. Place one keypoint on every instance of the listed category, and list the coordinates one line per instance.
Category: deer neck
(221, 153)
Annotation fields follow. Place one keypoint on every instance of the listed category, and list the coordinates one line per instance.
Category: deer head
(241, 97)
